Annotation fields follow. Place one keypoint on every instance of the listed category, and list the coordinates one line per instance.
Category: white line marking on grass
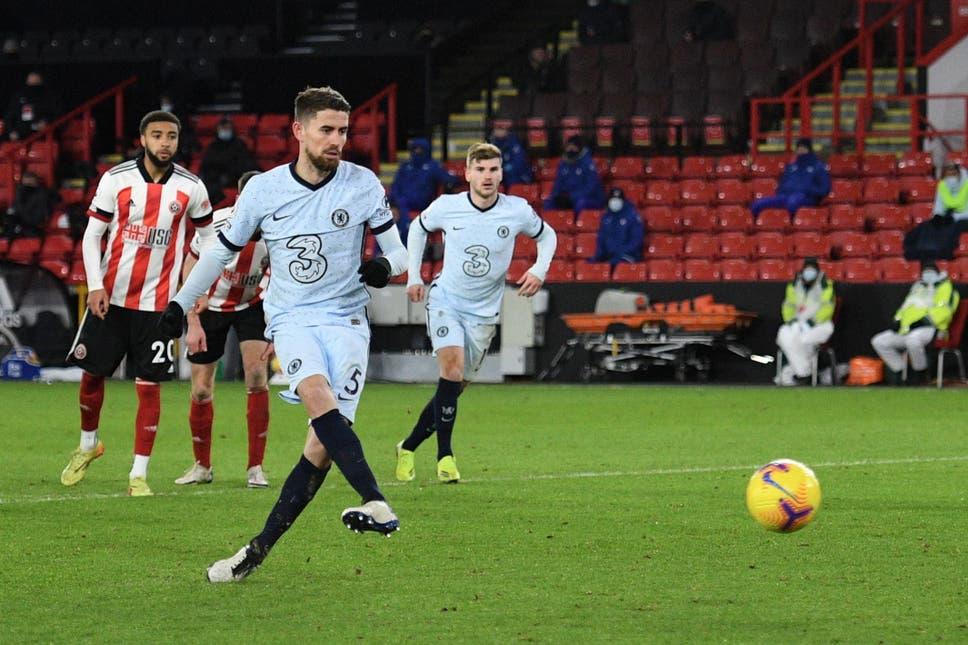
(485, 480)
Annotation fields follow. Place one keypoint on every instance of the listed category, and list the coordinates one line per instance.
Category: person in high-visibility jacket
(952, 194)
(925, 313)
(808, 311)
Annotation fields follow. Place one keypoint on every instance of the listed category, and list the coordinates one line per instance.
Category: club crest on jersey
(174, 207)
(80, 352)
(442, 331)
(294, 366)
(503, 231)
(340, 218)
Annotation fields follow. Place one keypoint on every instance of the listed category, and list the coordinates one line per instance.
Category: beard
(158, 163)
(322, 163)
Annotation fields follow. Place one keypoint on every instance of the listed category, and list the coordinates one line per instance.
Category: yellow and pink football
(783, 495)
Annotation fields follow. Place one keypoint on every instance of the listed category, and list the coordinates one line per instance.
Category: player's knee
(452, 371)
(201, 393)
(255, 374)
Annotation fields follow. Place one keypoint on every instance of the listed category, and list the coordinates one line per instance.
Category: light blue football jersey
(315, 237)
(478, 247)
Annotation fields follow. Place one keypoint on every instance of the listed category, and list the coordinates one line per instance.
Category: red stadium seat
(811, 218)
(57, 247)
(627, 168)
(843, 166)
(844, 191)
(834, 269)
(881, 189)
(560, 271)
(738, 270)
(517, 269)
(4, 246)
(809, 244)
(878, 165)
(962, 250)
(859, 270)
(634, 190)
(696, 192)
(245, 123)
(588, 221)
(772, 219)
(768, 166)
(700, 245)
(701, 271)
(664, 271)
(918, 189)
(546, 187)
(592, 271)
(661, 219)
(697, 168)
(897, 270)
(920, 212)
(736, 246)
(775, 270)
(733, 218)
(844, 217)
(560, 220)
(661, 193)
(772, 245)
(548, 168)
(733, 191)
(630, 272)
(206, 124)
(273, 124)
(59, 268)
(915, 164)
(566, 246)
(733, 166)
(525, 248)
(663, 246)
(23, 250)
(763, 187)
(662, 168)
(697, 218)
(888, 243)
(271, 147)
(77, 274)
(584, 245)
(887, 216)
(957, 269)
(427, 271)
(851, 244)
(71, 195)
(530, 192)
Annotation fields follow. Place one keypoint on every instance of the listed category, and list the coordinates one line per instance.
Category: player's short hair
(482, 151)
(313, 99)
(156, 116)
(244, 179)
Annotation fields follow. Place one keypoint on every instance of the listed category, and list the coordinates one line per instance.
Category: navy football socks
(445, 413)
(422, 430)
(345, 450)
(299, 489)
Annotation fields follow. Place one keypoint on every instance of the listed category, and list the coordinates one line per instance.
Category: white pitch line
(551, 476)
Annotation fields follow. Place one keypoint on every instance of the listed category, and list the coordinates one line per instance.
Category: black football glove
(375, 273)
(171, 322)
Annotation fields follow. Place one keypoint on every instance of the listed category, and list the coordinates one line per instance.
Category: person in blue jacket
(805, 182)
(621, 232)
(514, 158)
(577, 185)
(415, 184)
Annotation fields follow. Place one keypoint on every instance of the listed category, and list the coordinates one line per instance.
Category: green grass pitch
(586, 514)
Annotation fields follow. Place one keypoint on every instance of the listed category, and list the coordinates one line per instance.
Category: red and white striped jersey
(244, 278)
(146, 231)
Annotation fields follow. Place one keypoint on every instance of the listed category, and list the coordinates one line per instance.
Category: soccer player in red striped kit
(233, 301)
(142, 205)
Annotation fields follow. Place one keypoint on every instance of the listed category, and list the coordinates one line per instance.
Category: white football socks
(140, 467)
(88, 439)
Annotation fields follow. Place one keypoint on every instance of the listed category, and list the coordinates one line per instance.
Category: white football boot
(257, 478)
(235, 568)
(373, 516)
(197, 474)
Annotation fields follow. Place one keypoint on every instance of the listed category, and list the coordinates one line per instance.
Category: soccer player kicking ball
(312, 214)
(143, 205)
(464, 301)
(234, 301)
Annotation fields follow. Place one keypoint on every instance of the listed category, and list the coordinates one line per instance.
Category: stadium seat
(627, 168)
(71, 195)
(661, 193)
(664, 271)
(738, 270)
(918, 189)
(592, 271)
(588, 221)
(525, 248)
(920, 212)
(662, 168)
(4, 246)
(772, 219)
(834, 269)
(273, 124)
(843, 166)
(736, 246)
(697, 218)
(630, 272)
(661, 219)
(560, 220)
(697, 168)
(696, 192)
(915, 164)
(560, 271)
(59, 268)
(584, 245)
(881, 189)
(811, 218)
(859, 270)
(23, 250)
(546, 187)
(427, 271)
(634, 190)
(844, 217)
(878, 165)
(762, 187)
(767, 166)
(700, 245)
(775, 269)
(701, 271)
(845, 191)
(206, 124)
(77, 274)
(530, 192)
(733, 218)
(517, 269)
(809, 244)
(547, 168)
(897, 269)
(957, 269)
(733, 166)
(733, 191)
(663, 246)
(771, 245)
(57, 247)
(962, 250)
(888, 243)
(566, 246)
(850, 244)
(271, 147)
(886, 216)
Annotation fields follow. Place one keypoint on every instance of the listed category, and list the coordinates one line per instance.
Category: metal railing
(375, 117)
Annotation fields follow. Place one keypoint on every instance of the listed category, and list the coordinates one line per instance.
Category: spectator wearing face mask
(514, 158)
(952, 194)
(621, 232)
(808, 311)
(225, 160)
(926, 312)
(416, 182)
(577, 185)
(31, 108)
(31, 208)
(805, 182)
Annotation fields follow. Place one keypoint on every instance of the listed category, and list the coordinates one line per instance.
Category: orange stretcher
(698, 314)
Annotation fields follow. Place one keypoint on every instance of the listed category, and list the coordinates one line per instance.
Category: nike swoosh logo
(276, 218)
(459, 228)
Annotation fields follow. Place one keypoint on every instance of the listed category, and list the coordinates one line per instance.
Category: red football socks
(91, 398)
(146, 422)
(257, 415)
(200, 417)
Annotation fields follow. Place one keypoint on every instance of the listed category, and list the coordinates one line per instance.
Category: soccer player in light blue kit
(312, 215)
(464, 301)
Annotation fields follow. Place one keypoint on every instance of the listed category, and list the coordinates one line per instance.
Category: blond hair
(482, 151)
